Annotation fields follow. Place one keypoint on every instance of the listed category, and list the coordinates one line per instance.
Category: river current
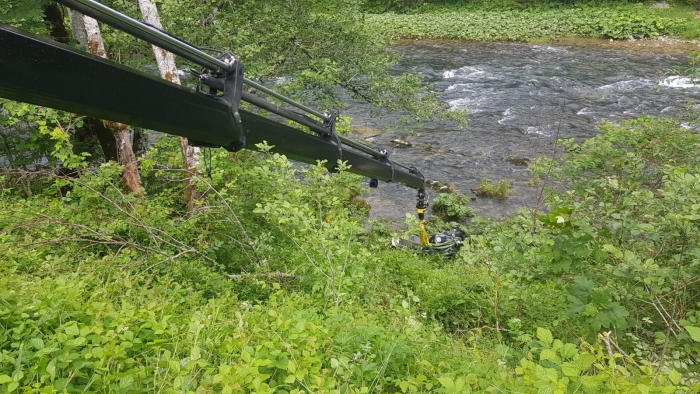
(520, 98)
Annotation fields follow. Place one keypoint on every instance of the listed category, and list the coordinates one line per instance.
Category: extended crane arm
(37, 70)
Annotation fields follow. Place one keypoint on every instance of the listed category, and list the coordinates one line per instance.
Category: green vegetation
(499, 189)
(452, 206)
(274, 284)
(509, 21)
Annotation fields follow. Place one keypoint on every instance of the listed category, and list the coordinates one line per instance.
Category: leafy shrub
(452, 206)
(553, 366)
(633, 204)
(619, 22)
(34, 135)
(391, 5)
(493, 189)
(274, 284)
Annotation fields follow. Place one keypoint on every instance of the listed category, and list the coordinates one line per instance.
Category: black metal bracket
(232, 87)
(422, 203)
(329, 123)
(233, 90)
(384, 158)
(37, 70)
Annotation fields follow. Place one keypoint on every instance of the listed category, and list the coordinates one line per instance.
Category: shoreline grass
(618, 22)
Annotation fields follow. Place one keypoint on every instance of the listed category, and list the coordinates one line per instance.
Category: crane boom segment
(37, 70)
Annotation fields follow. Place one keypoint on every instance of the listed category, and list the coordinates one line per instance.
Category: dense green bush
(275, 285)
(452, 206)
(619, 246)
(488, 188)
(530, 24)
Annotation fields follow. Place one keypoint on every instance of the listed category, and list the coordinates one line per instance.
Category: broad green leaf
(5, 379)
(584, 361)
(541, 373)
(126, 381)
(544, 335)
(643, 388)
(694, 333)
(549, 354)
(590, 381)
(675, 377)
(72, 329)
(51, 368)
(37, 343)
(460, 385)
(447, 382)
(546, 389)
(177, 383)
(195, 353)
(570, 369)
(567, 351)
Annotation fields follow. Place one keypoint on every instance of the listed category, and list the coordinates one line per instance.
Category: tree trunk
(121, 134)
(77, 27)
(108, 142)
(54, 18)
(168, 71)
(140, 142)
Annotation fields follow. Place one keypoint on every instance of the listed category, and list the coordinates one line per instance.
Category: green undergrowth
(277, 283)
(452, 206)
(479, 23)
(488, 188)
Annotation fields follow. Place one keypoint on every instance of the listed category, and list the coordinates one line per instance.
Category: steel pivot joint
(422, 204)
(233, 90)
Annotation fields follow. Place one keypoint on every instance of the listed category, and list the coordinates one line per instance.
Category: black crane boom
(37, 70)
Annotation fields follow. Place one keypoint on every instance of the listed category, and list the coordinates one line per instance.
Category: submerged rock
(518, 161)
(438, 149)
(440, 187)
(366, 132)
(397, 143)
(446, 189)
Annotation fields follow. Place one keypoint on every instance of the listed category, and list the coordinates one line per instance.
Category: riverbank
(617, 22)
(660, 45)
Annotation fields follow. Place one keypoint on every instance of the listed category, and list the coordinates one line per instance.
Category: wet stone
(440, 187)
(366, 132)
(397, 143)
(518, 161)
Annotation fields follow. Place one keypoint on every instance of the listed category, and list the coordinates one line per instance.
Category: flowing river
(520, 98)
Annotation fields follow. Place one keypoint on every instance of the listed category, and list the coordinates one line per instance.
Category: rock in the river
(440, 187)
(518, 161)
(366, 132)
(397, 143)
(446, 189)
(430, 148)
